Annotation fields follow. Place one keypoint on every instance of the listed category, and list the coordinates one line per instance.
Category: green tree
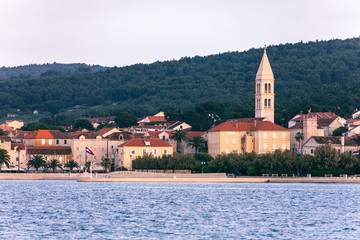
(106, 164)
(37, 162)
(125, 119)
(339, 131)
(83, 123)
(54, 164)
(178, 136)
(71, 164)
(4, 158)
(2, 132)
(88, 165)
(18, 149)
(299, 137)
(326, 157)
(196, 142)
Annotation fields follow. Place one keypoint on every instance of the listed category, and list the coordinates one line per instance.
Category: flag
(89, 151)
(309, 111)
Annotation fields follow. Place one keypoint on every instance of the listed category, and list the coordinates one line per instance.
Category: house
(159, 117)
(136, 147)
(313, 124)
(102, 120)
(259, 137)
(12, 115)
(340, 143)
(51, 144)
(356, 114)
(14, 152)
(14, 124)
(10, 132)
(107, 131)
(191, 134)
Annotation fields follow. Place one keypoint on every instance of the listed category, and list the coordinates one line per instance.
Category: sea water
(73, 210)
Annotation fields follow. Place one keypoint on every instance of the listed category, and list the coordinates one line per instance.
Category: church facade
(260, 134)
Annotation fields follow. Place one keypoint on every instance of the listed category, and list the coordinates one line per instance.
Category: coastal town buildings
(341, 144)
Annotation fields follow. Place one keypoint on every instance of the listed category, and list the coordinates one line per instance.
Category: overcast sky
(119, 32)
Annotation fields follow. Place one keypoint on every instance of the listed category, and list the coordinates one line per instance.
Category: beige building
(313, 124)
(129, 150)
(240, 137)
(341, 144)
(14, 152)
(15, 124)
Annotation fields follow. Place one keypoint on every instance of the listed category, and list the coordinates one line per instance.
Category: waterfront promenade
(169, 177)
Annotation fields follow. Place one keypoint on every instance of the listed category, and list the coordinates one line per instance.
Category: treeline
(48, 69)
(326, 160)
(323, 76)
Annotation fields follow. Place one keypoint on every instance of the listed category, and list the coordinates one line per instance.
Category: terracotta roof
(140, 142)
(298, 125)
(323, 122)
(268, 126)
(104, 130)
(191, 134)
(102, 119)
(87, 135)
(349, 141)
(49, 150)
(15, 145)
(226, 126)
(5, 138)
(116, 136)
(7, 128)
(156, 118)
(46, 134)
(318, 115)
(139, 135)
(245, 120)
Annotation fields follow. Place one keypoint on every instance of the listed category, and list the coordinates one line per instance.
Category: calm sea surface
(72, 210)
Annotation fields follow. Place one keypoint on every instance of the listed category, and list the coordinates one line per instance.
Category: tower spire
(264, 90)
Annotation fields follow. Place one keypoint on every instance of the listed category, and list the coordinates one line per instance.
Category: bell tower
(264, 90)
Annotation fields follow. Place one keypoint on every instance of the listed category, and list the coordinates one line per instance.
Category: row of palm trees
(39, 161)
(197, 142)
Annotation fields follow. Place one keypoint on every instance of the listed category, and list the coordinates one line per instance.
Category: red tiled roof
(5, 127)
(226, 126)
(49, 150)
(245, 120)
(140, 142)
(318, 115)
(104, 130)
(191, 134)
(154, 134)
(156, 118)
(46, 134)
(268, 126)
(15, 145)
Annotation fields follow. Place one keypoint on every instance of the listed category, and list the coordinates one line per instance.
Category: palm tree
(37, 162)
(53, 164)
(18, 149)
(71, 164)
(106, 164)
(88, 165)
(299, 138)
(196, 142)
(4, 158)
(178, 136)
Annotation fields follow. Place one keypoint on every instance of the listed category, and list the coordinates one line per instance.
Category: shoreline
(171, 178)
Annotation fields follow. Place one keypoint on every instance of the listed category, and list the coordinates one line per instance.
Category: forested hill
(324, 74)
(48, 69)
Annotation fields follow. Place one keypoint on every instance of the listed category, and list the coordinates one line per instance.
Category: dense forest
(48, 69)
(321, 75)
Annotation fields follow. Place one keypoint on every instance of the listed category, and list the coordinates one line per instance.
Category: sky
(120, 33)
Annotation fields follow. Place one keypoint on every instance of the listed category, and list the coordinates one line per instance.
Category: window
(77, 149)
(144, 151)
(163, 138)
(154, 151)
(265, 103)
(265, 87)
(226, 151)
(121, 137)
(283, 135)
(274, 135)
(265, 146)
(283, 146)
(226, 141)
(234, 141)
(269, 103)
(133, 151)
(265, 135)
(50, 141)
(274, 146)
(312, 150)
(94, 148)
(42, 141)
(269, 88)
(102, 149)
(65, 141)
(165, 151)
(57, 141)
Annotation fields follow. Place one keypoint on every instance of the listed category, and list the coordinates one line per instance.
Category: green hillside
(323, 74)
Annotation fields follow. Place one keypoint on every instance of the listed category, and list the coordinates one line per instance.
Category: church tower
(264, 90)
